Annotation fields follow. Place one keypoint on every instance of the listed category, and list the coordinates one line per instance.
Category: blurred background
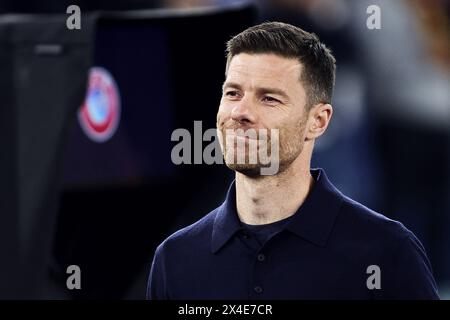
(86, 118)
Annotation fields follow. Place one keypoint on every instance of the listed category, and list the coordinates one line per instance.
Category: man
(289, 234)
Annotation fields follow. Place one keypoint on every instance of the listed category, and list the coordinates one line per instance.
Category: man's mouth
(250, 134)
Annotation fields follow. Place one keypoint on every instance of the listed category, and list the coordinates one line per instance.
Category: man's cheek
(219, 121)
(222, 117)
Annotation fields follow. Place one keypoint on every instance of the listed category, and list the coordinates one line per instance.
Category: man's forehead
(263, 67)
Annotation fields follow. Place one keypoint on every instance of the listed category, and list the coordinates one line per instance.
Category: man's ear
(318, 119)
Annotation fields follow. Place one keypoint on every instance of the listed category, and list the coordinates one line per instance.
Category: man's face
(262, 91)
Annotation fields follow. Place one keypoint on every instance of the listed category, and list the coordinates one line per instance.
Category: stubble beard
(290, 142)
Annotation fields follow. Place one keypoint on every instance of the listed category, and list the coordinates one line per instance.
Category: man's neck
(267, 199)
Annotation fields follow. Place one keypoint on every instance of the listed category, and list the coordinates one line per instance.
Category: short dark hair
(319, 64)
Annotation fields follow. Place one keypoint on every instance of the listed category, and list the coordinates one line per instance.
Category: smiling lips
(250, 134)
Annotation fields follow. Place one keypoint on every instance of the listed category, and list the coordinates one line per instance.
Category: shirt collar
(226, 222)
(313, 221)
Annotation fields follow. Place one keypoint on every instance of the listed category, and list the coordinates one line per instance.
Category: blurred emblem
(99, 115)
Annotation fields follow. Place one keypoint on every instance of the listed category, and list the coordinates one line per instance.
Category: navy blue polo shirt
(331, 248)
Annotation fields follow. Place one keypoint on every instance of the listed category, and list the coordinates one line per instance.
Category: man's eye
(231, 94)
(270, 99)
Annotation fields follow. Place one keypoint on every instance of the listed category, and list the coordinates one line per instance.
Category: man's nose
(243, 112)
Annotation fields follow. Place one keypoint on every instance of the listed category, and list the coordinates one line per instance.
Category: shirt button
(261, 257)
(245, 236)
(258, 289)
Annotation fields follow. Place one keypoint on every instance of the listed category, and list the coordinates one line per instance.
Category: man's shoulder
(367, 222)
(378, 240)
(362, 232)
(191, 236)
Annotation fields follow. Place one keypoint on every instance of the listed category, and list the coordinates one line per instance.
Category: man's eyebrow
(261, 90)
(277, 91)
(231, 85)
